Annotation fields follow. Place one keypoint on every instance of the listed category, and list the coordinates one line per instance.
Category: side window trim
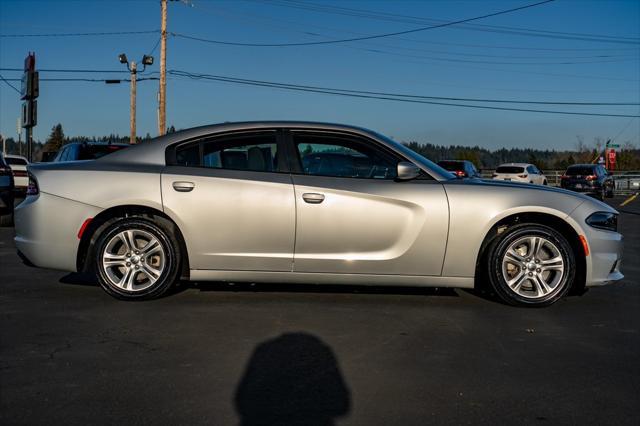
(200, 141)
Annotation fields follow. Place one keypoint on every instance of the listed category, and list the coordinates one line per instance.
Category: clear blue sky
(452, 61)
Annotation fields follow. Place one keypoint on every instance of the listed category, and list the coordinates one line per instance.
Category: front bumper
(47, 230)
(604, 261)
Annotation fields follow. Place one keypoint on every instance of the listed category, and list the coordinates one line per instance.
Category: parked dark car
(592, 179)
(7, 189)
(87, 150)
(460, 168)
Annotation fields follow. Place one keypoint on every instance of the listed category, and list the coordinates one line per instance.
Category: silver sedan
(308, 203)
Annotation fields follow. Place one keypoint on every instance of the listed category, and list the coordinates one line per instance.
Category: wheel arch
(552, 221)
(90, 234)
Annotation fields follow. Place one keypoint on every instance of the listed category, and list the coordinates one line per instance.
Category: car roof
(516, 164)
(153, 151)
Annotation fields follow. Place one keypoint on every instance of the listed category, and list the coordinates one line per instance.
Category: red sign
(612, 159)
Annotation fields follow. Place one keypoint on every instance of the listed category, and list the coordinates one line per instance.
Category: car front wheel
(531, 265)
(136, 259)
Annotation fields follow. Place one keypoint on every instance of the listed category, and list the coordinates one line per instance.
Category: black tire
(610, 193)
(172, 260)
(498, 248)
(545, 183)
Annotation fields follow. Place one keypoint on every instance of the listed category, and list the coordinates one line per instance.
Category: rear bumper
(47, 230)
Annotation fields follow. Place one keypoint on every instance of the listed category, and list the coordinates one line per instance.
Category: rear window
(451, 165)
(16, 161)
(510, 169)
(581, 170)
(92, 152)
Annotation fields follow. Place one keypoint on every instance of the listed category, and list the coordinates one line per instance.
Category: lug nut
(538, 270)
(137, 266)
(530, 274)
(128, 263)
(537, 261)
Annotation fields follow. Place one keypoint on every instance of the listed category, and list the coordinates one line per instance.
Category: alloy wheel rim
(133, 260)
(533, 267)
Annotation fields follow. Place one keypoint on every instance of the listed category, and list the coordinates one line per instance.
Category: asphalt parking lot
(228, 354)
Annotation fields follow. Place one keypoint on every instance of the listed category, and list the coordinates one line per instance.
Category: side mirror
(407, 171)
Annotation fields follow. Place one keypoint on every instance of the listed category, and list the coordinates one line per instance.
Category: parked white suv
(520, 172)
(18, 166)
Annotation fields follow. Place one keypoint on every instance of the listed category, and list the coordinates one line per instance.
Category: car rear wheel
(531, 265)
(136, 259)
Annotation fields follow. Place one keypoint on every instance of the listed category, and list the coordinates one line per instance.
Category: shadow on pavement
(318, 288)
(293, 379)
(75, 278)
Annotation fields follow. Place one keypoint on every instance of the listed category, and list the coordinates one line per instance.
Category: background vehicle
(461, 168)
(18, 166)
(592, 179)
(48, 156)
(7, 192)
(520, 172)
(86, 151)
(308, 203)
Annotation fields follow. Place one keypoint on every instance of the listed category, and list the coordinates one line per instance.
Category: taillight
(564, 177)
(32, 187)
(19, 173)
(459, 173)
(592, 177)
(522, 176)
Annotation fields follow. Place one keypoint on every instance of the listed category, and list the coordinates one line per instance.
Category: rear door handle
(183, 186)
(313, 198)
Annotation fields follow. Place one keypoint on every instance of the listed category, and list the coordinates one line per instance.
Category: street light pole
(133, 70)
(134, 77)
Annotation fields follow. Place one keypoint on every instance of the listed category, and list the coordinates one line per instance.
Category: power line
(392, 17)
(68, 70)
(312, 43)
(100, 80)
(9, 84)
(401, 95)
(254, 16)
(363, 94)
(105, 33)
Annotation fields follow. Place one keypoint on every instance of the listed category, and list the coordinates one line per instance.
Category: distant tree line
(628, 156)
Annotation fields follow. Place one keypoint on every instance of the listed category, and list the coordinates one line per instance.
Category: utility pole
(162, 94)
(134, 78)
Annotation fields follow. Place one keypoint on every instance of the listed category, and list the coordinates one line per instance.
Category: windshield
(92, 152)
(581, 171)
(451, 165)
(509, 169)
(436, 171)
(16, 161)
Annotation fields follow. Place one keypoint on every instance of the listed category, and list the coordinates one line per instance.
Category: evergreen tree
(55, 139)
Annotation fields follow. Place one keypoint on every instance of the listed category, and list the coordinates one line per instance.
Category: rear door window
(510, 169)
(256, 152)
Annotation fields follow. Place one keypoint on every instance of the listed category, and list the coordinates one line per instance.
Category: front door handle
(313, 198)
(181, 186)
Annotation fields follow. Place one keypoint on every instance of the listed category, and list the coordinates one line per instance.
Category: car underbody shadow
(81, 279)
(317, 288)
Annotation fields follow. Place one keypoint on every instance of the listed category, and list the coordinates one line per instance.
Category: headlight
(603, 220)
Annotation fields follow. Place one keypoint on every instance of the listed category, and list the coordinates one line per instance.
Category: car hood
(533, 190)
